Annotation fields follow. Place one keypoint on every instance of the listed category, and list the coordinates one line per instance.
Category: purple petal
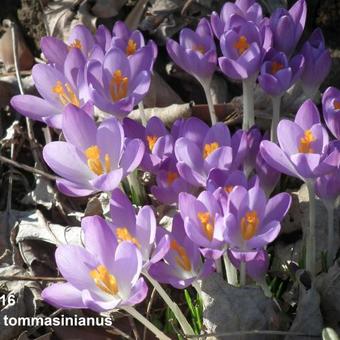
(108, 182)
(63, 295)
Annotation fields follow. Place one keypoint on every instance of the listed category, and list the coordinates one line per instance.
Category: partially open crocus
(201, 149)
(129, 41)
(182, 265)
(242, 48)
(252, 220)
(88, 161)
(318, 63)
(196, 54)
(203, 222)
(138, 229)
(257, 262)
(223, 182)
(55, 50)
(169, 183)
(331, 110)
(57, 89)
(278, 74)
(157, 139)
(287, 26)
(196, 51)
(102, 276)
(118, 83)
(302, 145)
(249, 9)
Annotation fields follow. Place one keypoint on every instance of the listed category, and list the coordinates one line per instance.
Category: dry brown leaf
(107, 8)
(25, 56)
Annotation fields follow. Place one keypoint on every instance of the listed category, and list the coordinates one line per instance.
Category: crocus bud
(317, 63)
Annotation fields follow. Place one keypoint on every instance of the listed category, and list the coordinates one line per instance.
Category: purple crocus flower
(102, 276)
(253, 221)
(303, 144)
(243, 49)
(249, 9)
(182, 264)
(158, 141)
(225, 181)
(196, 51)
(57, 89)
(327, 187)
(169, 183)
(257, 262)
(287, 26)
(253, 137)
(203, 222)
(130, 42)
(119, 83)
(331, 110)
(318, 62)
(56, 51)
(278, 74)
(139, 229)
(88, 161)
(201, 149)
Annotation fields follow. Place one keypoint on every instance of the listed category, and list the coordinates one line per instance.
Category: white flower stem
(266, 290)
(144, 321)
(186, 328)
(230, 270)
(310, 240)
(248, 103)
(330, 238)
(142, 113)
(276, 101)
(218, 265)
(206, 88)
(242, 273)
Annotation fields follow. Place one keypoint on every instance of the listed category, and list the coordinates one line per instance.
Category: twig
(31, 278)
(148, 309)
(133, 327)
(253, 332)
(27, 168)
(30, 132)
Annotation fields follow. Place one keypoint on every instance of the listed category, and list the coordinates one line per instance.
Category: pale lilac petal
(132, 156)
(121, 209)
(63, 295)
(108, 182)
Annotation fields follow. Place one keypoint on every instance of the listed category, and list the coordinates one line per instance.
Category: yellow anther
(228, 188)
(104, 280)
(241, 44)
(171, 177)
(131, 47)
(65, 97)
(336, 105)
(118, 86)
(75, 44)
(306, 141)
(249, 224)
(151, 141)
(182, 259)
(94, 162)
(276, 67)
(199, 48)
(123, 234)
(209, 148)
(207, 224)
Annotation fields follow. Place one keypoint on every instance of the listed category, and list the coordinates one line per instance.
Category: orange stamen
(306, 141)
(229, 188)
(242, 44)
(182, 259)
(209, 148)
(123, 234)
(276, 67)
(104, 280)
(94, 162)
(65, 97)
(151, 141)
(336, 105)
(75, 44)
(118, 86)
(249, 224)
(131, 47)
(207, 224)
(171, 177)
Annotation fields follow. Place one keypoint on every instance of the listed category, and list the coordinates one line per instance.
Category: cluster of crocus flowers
(219, 182)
